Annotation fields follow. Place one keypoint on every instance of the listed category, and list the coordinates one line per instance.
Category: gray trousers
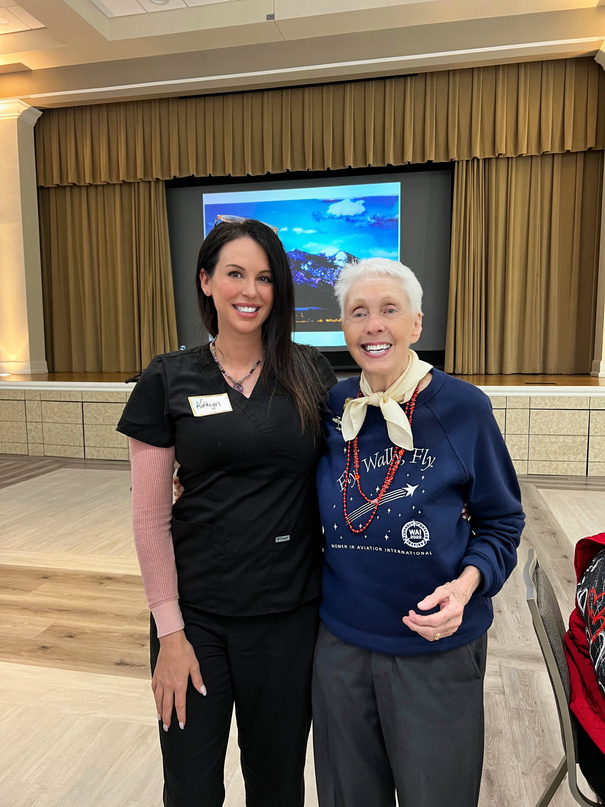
(411, 724)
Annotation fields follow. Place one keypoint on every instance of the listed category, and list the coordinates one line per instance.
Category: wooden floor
(78, 719)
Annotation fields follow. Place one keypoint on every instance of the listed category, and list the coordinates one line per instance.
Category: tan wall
(553, 434)
(62, 423)
(545, 434)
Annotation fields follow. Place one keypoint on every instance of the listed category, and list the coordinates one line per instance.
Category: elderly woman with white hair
(408, 580)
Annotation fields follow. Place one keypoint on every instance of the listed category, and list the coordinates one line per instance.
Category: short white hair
(378, 267)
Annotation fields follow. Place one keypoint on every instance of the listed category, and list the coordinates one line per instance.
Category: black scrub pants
(411, 724)
(263, 665)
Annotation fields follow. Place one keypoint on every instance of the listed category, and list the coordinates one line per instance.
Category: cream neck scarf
(398, 426)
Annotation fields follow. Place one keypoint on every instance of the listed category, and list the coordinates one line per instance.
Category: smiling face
(241, 288)
(379, 328)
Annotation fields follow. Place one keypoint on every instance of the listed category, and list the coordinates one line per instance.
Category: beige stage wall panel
(33, 411)
(518, 446)
(63, 420)
(500, 415)
(510, 402)
(546, 433)
(517, 421)
(596, 451)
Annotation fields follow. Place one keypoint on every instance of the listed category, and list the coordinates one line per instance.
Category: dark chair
(550, 630)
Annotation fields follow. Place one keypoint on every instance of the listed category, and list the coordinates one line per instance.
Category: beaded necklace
(237, 385)
(390, 474)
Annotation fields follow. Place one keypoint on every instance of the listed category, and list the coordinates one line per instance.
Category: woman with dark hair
(231, 571)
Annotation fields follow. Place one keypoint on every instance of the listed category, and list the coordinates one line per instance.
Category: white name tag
(202, 405)
(281, 538)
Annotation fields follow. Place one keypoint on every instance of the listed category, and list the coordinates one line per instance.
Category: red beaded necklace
(390, 475)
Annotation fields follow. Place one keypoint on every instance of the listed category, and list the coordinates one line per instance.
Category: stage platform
(477, 380)
(552, 424)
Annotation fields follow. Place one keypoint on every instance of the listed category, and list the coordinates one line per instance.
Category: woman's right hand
(176, 663)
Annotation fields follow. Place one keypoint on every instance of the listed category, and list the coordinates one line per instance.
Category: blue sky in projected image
(360, 219)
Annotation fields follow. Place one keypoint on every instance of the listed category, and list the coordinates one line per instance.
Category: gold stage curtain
(524, 261)
(503, 110)
(107, 278)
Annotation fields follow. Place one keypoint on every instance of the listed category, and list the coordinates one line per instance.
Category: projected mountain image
(322, 229)
(314, 277)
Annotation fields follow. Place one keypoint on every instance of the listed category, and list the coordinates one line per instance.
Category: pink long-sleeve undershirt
(152, 470)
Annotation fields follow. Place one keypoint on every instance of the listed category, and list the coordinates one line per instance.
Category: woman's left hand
(451, 598)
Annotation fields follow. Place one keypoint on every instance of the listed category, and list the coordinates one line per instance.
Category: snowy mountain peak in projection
(314, 268)
(314, 276)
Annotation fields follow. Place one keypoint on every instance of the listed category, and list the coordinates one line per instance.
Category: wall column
(21, 313)
(598, 364)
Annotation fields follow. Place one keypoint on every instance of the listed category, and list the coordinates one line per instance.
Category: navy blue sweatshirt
(418, 538)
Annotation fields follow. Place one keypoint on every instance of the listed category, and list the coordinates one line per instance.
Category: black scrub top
(246, 530)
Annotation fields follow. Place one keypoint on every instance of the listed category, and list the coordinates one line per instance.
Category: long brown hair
(285, 363)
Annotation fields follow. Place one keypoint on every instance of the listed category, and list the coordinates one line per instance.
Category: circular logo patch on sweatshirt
(415, 534)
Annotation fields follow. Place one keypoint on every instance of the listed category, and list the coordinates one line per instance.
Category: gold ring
(436, 637)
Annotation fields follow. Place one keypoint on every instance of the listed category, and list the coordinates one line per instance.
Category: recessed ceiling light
(3, 21)
(4, 374)
(160, 2)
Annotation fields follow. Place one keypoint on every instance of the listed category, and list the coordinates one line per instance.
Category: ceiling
(67, 52)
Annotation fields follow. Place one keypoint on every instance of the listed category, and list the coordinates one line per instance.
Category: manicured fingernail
(159, 716)
(181, 725)
(165, 727)
(203, 690)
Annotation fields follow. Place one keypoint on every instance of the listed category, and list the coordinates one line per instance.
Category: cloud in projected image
(348, 207)
(358, 218)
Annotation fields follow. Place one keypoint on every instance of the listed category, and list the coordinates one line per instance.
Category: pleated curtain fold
(524, 263)
(503, 110)
(107, 281)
